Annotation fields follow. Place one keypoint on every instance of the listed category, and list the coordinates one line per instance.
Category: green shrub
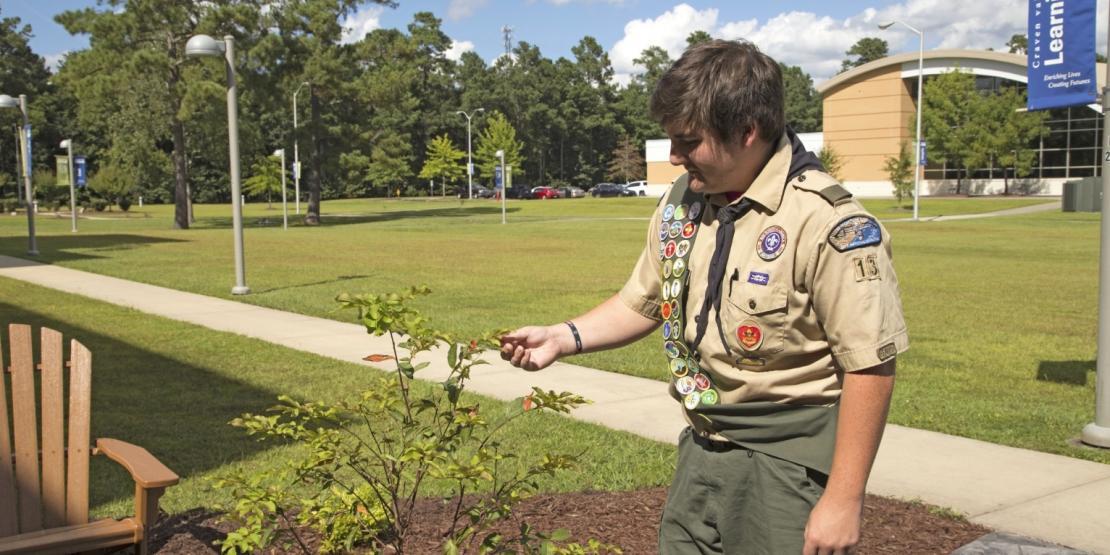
(369, 460)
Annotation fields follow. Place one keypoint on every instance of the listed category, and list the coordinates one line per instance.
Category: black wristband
(577, 338)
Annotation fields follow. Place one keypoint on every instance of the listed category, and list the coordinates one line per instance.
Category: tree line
(376, 117)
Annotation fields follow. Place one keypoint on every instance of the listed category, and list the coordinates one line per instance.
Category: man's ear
(751, 136)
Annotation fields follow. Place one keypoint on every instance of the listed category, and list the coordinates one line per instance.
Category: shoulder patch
(854, 232)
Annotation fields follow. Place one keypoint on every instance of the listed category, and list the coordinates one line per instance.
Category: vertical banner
(1061, 53)
(26, 146)
(62, 165)
(497, 177)
(80, 171)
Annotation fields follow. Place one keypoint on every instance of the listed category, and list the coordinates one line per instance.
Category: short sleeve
(643, 290)
(855, 291)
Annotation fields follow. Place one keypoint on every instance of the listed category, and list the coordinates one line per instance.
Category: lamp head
(886, 25)
(64, 144)
(204, 45)
(501, 154)
(279, 152)
(479, 110)
(8, 102)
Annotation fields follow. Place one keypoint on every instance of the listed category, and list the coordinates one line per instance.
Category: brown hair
(724, 86)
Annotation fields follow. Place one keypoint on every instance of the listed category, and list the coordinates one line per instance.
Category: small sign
(509, 176)
(922, 159)
(62, 165)
(27, 148)
(497, 177)
(296, 170)
(80, 171)
(470, 168)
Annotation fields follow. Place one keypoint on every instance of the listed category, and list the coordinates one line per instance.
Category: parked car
(546, 193)
(610, 190)
(572, 192)
(638, 187)
(519, 192)
(480, 191)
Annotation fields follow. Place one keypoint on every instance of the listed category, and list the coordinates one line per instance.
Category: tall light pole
(469, 163)
(68, 145)
(25, 136)
(284, 209)
(920, 100)
(504, 183)
(204, 45)
(296, 155)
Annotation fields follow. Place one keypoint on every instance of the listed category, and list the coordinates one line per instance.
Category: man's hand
(833, 526)
(536, 347)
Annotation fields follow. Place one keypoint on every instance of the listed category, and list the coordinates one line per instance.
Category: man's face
(716, 166)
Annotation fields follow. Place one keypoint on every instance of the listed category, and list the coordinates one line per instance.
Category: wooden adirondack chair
(48, 511)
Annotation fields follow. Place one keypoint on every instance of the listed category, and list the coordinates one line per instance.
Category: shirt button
(751, 304)
(801, 178)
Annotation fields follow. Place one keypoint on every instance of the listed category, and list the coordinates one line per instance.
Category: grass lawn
(172, 387)
(1001, 311)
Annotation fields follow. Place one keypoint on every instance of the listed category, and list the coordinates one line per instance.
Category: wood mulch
(628, 519)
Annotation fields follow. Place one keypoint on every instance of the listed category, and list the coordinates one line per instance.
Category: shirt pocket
(756, 318)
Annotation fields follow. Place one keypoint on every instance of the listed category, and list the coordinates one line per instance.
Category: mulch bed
(628, 519)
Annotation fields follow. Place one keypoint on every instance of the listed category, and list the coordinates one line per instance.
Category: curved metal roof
(980, 62)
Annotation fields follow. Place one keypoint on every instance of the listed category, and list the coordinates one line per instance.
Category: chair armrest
(146, 470)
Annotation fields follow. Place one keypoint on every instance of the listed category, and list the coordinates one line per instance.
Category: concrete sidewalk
(1045, 207)
(1055, 498)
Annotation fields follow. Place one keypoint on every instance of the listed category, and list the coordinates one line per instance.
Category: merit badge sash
(677, 231)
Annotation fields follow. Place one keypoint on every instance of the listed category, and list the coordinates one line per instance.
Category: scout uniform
(764, 301)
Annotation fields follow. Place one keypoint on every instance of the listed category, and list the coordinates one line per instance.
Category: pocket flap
(759, 299)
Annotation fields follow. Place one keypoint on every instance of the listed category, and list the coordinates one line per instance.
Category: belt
(714, 445)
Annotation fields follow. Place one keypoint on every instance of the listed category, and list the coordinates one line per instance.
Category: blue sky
(811, 34)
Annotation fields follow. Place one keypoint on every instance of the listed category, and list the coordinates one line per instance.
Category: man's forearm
(864, 403)
(609, 325)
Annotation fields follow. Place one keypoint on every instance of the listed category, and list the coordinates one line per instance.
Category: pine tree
(626, 164)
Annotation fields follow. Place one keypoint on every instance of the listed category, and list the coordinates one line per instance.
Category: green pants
(726, 499)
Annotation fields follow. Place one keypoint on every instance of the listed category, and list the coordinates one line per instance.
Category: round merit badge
(680, 212)
(676, 329)
(668, 251)
(709, 397)
(668, 212)
(772, 242)
(684, 385)
(695, 211)
(676, 288)
(666, 330)
(688, 230)
(749, 334)
(663, 231)
(670, 349)
(691, 400)
(678, 267)
(683, 248)
(701, 381)
(667, 266)
(678, 367)
(665, 310)
(676, 229)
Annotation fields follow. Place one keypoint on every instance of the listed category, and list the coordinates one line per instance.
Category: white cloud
(818, 43)
(358, 24)
(565, 2)
(462, 9)
(54, 61)
(457, 49)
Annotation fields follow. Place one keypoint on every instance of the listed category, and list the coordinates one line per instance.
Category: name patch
(886, 352)
(855, 232)
(759, 278)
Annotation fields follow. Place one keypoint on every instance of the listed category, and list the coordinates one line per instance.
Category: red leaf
(528, 404)
(377, 358)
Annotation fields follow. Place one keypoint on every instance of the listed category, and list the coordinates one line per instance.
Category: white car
(638, 187)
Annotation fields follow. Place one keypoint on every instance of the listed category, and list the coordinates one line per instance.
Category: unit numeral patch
(866, 267)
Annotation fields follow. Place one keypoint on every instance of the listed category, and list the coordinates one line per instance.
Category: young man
(780, 317)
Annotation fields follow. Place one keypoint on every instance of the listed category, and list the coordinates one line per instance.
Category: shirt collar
(768, 187)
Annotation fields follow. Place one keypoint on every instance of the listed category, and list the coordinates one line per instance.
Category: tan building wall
(663, 173)
(865, 121)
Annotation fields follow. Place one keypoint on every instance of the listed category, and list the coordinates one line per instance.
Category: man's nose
(678, 157)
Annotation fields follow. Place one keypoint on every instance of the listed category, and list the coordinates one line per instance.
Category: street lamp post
(920, 100)
(68, 145)
(504, 181)
(9, 102)
(284, 209)
(296, 155)
(204, 45)
(469, 163)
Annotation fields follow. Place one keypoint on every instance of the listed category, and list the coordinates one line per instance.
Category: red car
(546, 193)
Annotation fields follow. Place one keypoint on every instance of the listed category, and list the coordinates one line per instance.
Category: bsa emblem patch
(758, 278)
(692, 399)
(680, 212)
(855, 232)
(887, 352)
(709, 397)
(683, 248)
(688, 230)
(750, 335)
(668, 213)
(679, 368)
(676, 229)
(684, 385)
(668, 251)
(772, 242)
(695, 211)
(701, 381)
(679, 267)
(666, 311)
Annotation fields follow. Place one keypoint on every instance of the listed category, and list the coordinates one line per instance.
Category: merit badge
(691, 400)
(679, 267)
(772, 242)
(855, 232)
(680, 212)
(693, 365)
(663, 231)
(678, 368)
(676, 230)
(666, 311)
(688, 230)
(684, 385)
(667, 266)
(759, 278)
(668, 212)
(709, 397)
(668, 251)
(666, 330)
(676, 330)
(750, 335)
(670, 349)
(666, 291)
(695, 211)
(701, 381)
(676, 288)
(683, 248)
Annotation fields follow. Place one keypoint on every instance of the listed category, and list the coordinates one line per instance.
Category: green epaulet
(835, 194)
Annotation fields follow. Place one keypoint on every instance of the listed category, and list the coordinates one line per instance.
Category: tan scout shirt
(821, 312)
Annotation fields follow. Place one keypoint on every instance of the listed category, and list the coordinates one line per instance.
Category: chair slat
(26, 429)
(8, 524)
(80, 405)
(53, 440)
